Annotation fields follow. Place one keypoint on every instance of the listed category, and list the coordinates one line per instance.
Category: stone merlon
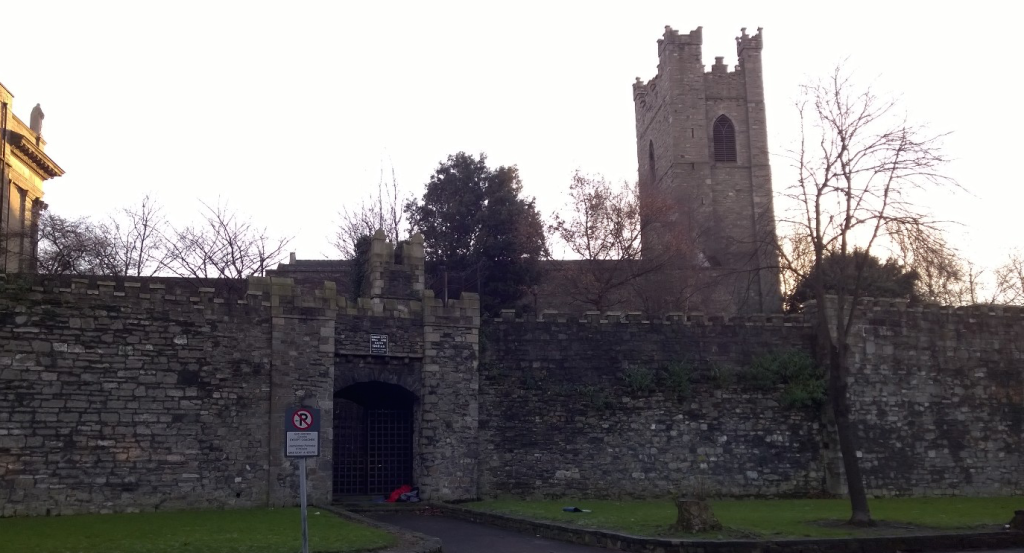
(747, 42)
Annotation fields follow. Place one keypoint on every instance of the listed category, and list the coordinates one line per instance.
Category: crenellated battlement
(280, 296)
(672, 36)
(641, 89)
(672, 39)
(746, 42)
(870, 309)
(889, 307)
(394, 271)
(720, 67)
(638, 318)
(156, 289)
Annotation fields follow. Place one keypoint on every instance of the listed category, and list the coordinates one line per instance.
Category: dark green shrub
(723, 376)
(638, 380)
(802, 380)
(677, 380)
(595, 397)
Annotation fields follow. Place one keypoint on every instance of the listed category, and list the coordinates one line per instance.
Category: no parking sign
(302, 439)
(302, 432)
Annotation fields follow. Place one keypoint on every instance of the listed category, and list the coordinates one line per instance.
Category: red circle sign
(302, 419)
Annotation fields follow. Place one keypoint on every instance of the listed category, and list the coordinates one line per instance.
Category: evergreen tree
(476, 225)
(877, 279)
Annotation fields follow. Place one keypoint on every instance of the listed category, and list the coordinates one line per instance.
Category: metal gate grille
(349, 448)
(372, 449)
(389, 449)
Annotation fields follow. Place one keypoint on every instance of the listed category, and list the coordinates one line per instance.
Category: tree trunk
(837, 388)
(695, 516)
(1017, 522)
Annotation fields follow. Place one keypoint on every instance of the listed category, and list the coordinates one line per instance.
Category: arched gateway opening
(373, 434)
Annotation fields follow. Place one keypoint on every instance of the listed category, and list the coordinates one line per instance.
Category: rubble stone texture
(164, 394)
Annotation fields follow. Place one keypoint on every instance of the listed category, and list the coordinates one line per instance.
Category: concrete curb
(637, 544)
(409, 541)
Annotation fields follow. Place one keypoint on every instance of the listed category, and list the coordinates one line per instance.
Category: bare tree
(72, 247)
(796, 259)
(603, 231)
(139, 245)
(383, 209)
(223, 245)
(971, 285)
(944, 276)
(860, 164)
(1008, 285)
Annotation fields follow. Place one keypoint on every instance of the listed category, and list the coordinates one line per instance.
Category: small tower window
(725, 139)
(650, 162)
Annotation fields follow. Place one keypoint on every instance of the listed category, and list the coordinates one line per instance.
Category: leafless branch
(602, 228)
(138, 235)
(383, 209)
(223, 245)
(72, 247)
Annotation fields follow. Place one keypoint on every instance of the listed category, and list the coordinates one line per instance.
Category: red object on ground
(398, 493)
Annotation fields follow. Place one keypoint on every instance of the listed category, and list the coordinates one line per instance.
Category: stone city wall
(939, 396)
(558, 418)
(160, 393)
(127, 396)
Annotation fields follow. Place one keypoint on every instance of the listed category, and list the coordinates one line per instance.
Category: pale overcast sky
(289, 109)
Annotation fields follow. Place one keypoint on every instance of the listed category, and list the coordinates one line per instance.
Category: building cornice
(27, 150)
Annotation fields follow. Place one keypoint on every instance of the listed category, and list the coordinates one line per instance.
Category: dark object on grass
(575, 510)
(1017, 523)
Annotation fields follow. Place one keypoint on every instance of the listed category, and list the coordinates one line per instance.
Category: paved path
(459, 536)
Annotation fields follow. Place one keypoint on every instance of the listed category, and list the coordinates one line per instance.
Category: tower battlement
(693, 41)
(672, 36)
(641, 89)
(747, 42)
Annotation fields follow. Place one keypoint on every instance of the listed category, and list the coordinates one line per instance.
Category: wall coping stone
(1006, 539)
(634, 318)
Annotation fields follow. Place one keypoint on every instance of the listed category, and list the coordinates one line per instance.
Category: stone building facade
(705, 180)
(24, 166)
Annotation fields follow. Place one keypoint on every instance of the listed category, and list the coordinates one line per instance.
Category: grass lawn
(234, 531)
(770, 518)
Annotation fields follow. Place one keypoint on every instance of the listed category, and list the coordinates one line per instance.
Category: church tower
(705, 180)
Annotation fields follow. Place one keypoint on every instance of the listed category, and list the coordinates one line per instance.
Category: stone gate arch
(375, 428)
(374, 433)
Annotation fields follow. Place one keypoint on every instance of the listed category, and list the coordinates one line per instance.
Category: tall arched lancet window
(650, 162)
(724, 139)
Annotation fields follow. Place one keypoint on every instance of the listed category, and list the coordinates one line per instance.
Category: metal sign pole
(302, 439)
(302, 500)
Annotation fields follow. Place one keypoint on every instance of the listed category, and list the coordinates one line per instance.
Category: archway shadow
(373, 439)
